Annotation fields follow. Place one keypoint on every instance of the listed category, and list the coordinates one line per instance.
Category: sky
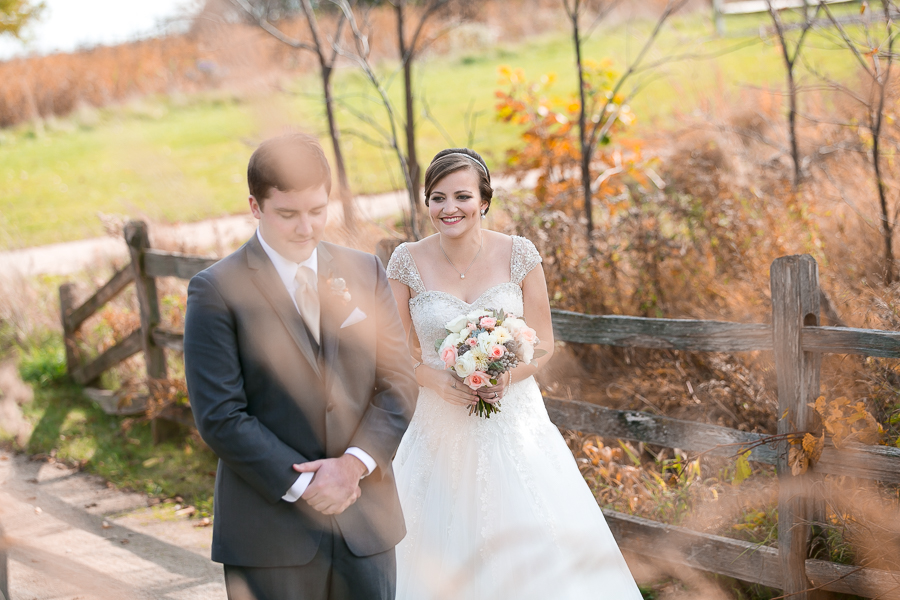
(70, 24)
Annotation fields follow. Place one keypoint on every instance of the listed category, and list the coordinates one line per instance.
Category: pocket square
(355, 317)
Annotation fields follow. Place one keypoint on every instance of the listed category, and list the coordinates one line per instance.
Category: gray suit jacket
(264, 399)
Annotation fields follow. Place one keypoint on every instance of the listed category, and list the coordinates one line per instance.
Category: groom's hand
(335, 485)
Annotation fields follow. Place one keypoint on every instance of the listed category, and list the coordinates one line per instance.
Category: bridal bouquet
(482, 345)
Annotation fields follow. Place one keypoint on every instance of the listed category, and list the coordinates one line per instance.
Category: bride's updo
(452, 160)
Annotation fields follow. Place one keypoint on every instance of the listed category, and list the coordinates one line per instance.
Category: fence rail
(794, 336)
(723, 8)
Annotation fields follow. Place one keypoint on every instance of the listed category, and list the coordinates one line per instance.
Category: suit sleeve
(393, 401)
(216, 390)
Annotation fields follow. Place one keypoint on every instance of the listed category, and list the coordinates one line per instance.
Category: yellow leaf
(812, 446)
(798, 461)
(742, 468)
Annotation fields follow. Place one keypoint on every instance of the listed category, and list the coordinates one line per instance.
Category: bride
(495, 508)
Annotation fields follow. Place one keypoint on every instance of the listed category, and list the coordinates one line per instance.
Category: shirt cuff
(298, 488)
(364, 457)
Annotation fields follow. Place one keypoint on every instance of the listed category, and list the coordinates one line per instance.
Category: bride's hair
(452, 160)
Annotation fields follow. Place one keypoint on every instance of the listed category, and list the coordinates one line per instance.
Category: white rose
(526, 353)
(466, 365)
(451, 340)
(485, 341)
(476, 315)
(513, 324)
(457, 324)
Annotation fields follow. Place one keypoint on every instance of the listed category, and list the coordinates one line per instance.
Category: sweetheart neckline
(480, 296)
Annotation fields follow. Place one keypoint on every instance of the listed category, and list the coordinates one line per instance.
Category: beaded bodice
(430, 310)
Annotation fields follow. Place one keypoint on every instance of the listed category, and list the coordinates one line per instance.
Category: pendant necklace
(463, 274)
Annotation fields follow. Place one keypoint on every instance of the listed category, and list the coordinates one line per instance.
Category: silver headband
(472, 158)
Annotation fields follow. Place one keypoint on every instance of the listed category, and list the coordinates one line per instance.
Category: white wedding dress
(495, 508)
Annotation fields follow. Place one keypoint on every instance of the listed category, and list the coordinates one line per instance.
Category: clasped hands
(455, 391)
(335, 485)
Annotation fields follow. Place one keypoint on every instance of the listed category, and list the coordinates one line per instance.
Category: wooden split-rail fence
(794, 336)
(723, 8)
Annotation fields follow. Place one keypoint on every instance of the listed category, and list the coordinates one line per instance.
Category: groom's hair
(289, 162)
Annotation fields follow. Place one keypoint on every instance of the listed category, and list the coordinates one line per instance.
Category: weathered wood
(174, 264)
(111, 402)
(110, 290)
(795, 303)
(880, 463)
(651, 429)
(745, 7)
(113, 356)
(755, 563)
(138, 242)
(847, 340)
(171, 340)
(848, 579)
(684, 547)
(670, 334)
(66, 306)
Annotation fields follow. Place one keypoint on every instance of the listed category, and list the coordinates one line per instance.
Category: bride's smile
(455, 204)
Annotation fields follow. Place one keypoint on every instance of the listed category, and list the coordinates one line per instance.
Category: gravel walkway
(68, 536)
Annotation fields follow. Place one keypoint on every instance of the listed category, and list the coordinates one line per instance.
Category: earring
(484, 214)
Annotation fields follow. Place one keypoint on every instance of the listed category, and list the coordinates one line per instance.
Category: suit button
(329, 407)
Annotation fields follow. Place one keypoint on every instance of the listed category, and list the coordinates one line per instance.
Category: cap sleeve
(402, 268)
(525, 257)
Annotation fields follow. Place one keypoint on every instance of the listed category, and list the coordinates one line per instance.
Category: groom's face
(293, 222)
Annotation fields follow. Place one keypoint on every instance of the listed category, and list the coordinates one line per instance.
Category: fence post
(795, 303)
(66, 305)
(718, 17)
(138, 240)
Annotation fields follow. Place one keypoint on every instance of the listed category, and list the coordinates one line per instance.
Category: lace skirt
(497, 508)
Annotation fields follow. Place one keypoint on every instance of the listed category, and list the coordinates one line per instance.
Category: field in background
(182, 157)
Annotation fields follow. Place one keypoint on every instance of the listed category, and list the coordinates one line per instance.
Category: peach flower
(496, 351)
(488, 322)
(477, 379)
(448, 355)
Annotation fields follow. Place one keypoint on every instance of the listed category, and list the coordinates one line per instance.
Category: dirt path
(70, 537)
(71, 257)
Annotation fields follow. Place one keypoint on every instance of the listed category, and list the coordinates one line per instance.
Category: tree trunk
(344, 192)
(792, 123)
(586, 149)
(412, 161)
(887, 229)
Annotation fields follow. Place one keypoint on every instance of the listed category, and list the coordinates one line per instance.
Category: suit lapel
(334, 310)
(266, 279)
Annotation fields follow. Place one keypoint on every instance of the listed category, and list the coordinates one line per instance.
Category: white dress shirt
(287, 270)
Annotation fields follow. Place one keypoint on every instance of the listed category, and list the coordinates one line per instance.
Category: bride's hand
(452, 389)
(494, 393)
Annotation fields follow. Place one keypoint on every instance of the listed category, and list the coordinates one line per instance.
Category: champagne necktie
(308, 299)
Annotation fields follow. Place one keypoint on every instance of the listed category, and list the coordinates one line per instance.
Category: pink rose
(526, 335)
(488, 322)
(448, 355)
(471, 326)
(496, 351)
(476, 380)
(472, 342)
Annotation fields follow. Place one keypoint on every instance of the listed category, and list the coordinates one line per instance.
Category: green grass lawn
(183, 159)
(72, 429)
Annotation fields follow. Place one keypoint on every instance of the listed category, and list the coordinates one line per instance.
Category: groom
(300, 382)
